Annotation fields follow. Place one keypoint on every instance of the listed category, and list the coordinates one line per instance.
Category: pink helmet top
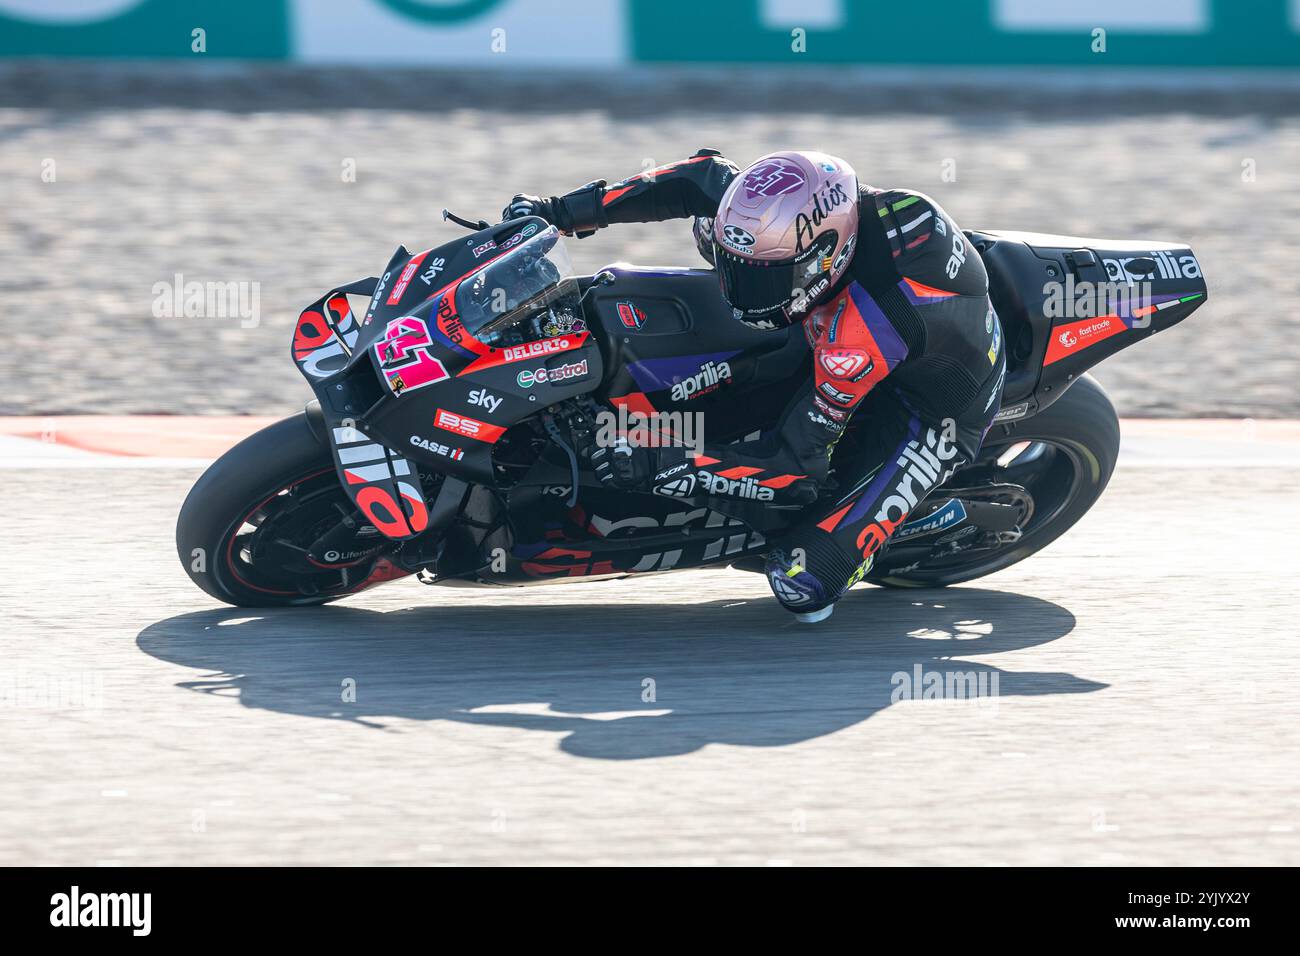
(785, 232)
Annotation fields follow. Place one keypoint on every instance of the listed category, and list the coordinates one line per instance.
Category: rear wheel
(1060, 460)
(268, 525)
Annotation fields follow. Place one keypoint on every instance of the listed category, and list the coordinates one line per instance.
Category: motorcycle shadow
(623, 681)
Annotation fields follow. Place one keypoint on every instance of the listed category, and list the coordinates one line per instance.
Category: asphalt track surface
(1140, 707)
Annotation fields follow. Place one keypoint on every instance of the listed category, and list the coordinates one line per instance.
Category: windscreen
(534, 276)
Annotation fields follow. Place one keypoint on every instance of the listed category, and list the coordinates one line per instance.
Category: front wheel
(1062, 458)
(268, 525)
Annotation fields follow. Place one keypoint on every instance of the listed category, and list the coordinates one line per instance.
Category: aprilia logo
(808, 296)
(734, 487)
(708, 378)
(1168, 267)
(924, 464)
(704, 482)
(958, 257)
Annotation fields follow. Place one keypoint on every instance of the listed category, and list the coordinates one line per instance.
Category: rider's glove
(579, 213)
(703, 232)
(525, 205)
(621, 465)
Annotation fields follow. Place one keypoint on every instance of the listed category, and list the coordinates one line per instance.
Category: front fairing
(406, 389)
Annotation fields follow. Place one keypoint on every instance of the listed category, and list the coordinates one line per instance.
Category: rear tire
(1083, 424)
(283, 457)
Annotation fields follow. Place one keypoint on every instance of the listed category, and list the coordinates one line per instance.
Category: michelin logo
(951, 514)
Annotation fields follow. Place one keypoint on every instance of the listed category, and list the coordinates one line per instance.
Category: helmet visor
(754, 287)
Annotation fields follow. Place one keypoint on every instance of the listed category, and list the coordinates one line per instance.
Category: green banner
(244, 29)
(512, 33)
(1236, 33)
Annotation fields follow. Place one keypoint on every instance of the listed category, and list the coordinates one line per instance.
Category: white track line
(17, 452)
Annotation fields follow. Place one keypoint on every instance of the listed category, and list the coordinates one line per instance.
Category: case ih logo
(844, 363)
(773, 178)
(469, 427)
(630, 315)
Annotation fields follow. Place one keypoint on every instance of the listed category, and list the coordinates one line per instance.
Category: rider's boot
(808, 576)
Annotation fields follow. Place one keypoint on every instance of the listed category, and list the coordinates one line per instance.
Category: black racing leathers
(910, 315)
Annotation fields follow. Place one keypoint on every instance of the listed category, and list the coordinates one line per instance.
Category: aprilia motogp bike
(441, 441)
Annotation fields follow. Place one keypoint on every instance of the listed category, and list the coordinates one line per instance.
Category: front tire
(243, 531)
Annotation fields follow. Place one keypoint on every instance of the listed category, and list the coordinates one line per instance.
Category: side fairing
(675, 348)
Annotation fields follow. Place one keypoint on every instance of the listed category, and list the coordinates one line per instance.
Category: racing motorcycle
(441, 441)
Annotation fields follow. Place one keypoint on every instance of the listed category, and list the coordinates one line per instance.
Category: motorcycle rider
(894, 303)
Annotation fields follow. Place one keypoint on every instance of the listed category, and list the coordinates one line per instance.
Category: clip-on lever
(473, 226)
